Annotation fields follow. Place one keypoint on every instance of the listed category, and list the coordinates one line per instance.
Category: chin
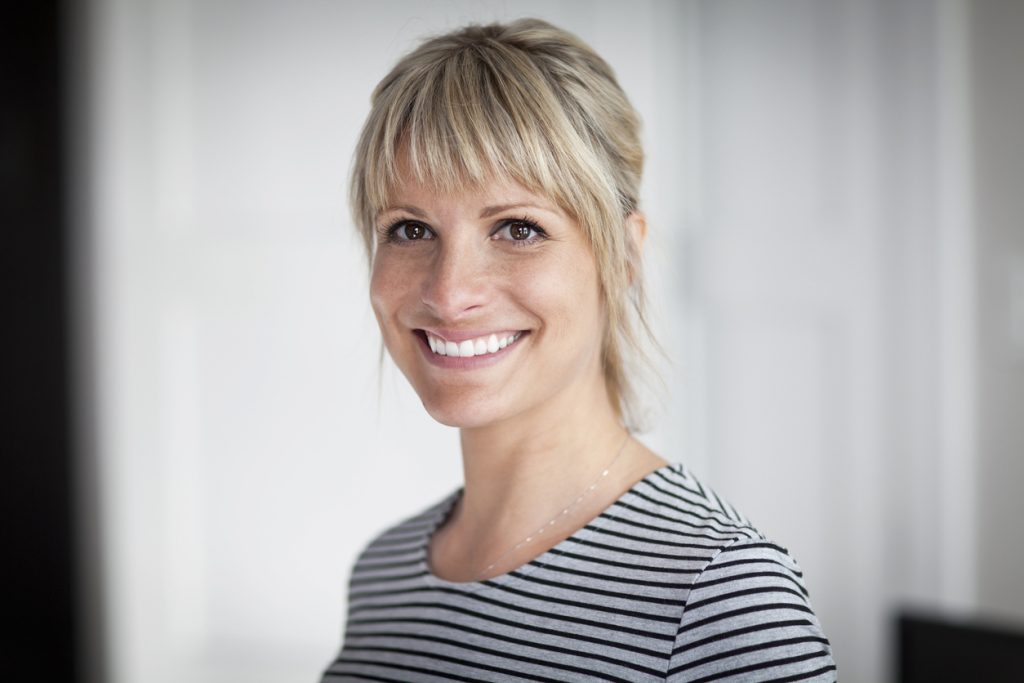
(462, 412)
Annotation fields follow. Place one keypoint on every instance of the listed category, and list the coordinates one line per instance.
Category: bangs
(468, 117)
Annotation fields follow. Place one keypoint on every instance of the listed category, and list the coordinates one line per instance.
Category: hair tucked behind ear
(530, 102)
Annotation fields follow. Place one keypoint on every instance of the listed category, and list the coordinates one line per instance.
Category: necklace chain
(565, 511)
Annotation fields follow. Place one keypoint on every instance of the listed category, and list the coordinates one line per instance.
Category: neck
(525, 470)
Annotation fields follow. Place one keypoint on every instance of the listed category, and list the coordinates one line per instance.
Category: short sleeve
(748, 618)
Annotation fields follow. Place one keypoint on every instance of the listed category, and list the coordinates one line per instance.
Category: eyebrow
(500, 208)
(408, 209)
(487, 211)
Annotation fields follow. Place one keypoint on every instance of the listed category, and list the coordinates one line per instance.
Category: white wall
(998, 55)
(812, 272)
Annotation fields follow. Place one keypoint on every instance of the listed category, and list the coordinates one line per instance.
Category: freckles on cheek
(566, 304)
(382, 285)
(382, 299)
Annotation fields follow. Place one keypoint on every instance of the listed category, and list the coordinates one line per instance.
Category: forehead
(494, 194)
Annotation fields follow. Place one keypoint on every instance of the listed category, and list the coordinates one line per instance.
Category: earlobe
(637, 223)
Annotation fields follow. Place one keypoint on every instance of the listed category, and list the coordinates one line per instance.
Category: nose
(456, 282)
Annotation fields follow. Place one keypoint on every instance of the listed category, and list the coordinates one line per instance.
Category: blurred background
(197, 437)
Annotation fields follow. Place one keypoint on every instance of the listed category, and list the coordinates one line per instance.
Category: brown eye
(520, 231)
(407, 231)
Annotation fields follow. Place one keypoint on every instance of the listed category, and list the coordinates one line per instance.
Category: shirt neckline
(443, 509)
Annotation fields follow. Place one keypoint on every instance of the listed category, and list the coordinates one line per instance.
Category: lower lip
(470, 363)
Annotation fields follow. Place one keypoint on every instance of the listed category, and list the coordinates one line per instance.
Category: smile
(467, 348)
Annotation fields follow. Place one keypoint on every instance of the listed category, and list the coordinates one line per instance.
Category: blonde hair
(531, 102)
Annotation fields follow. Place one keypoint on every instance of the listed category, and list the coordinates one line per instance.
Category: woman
(496, 185)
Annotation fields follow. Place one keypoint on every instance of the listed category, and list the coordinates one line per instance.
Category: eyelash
(390, 233)
(539, 235)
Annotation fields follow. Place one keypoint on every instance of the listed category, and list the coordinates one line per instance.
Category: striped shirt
(669, 583)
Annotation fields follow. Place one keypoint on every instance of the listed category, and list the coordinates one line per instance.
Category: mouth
(468, 352)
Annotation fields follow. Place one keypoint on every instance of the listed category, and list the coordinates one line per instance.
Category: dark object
(938, 650)
(36, 535)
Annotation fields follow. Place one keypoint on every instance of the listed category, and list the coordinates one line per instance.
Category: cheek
(387, 291)
(379, 288)
(569, 298)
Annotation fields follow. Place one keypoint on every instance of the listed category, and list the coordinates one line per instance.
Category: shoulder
(671, 506)
(747, 611)
(403, 542)
(675, 488)
(673, 495)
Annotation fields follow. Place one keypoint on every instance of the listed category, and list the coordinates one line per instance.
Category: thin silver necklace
(565, 511)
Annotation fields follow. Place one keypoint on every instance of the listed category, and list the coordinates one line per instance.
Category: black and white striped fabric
(669, 583)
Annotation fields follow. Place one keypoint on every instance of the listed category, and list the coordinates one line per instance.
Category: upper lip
(463, 335)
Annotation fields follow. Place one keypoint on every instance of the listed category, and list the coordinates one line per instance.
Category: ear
(636, 224)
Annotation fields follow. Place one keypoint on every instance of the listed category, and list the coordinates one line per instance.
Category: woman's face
(488, 302)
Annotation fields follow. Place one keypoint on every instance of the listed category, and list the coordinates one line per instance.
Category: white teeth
(470, 347)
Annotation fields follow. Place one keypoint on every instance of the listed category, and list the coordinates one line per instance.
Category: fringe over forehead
(524, 101)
